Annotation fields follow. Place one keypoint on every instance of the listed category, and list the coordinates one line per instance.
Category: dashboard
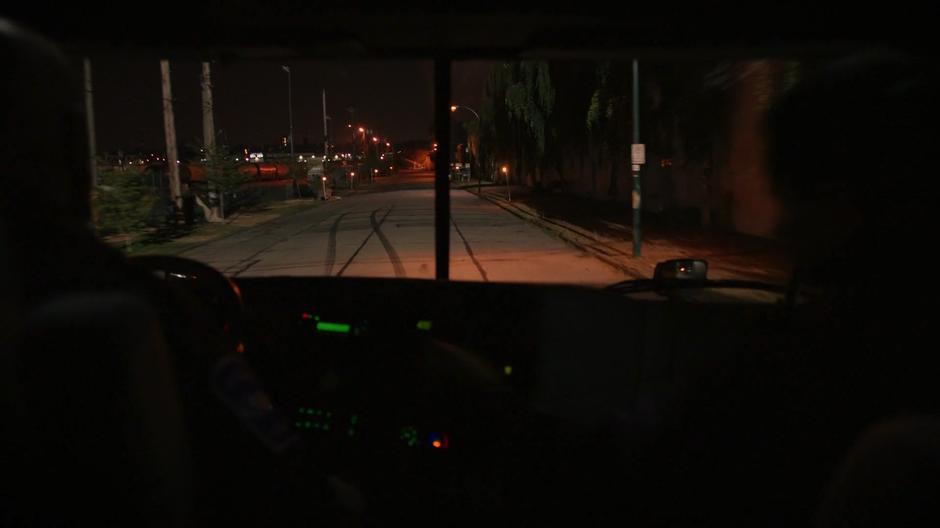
(434, 396)
(443, 400)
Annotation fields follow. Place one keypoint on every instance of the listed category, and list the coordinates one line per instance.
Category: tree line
(566, 124)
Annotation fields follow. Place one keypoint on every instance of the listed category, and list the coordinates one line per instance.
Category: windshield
(560, 171)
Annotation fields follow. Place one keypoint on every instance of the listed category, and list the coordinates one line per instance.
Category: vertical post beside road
(326, 132)
(208, 136)
(441, 166)
(637, 158)
(169, 129)
(290, 113)
(208, 117)
(90, 124)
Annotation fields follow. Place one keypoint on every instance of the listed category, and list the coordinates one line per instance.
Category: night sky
(392, 97)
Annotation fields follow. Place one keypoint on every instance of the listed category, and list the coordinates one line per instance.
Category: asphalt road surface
(388, 231)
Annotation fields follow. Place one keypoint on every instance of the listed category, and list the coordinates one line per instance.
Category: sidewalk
(604, 230)
(207, 232)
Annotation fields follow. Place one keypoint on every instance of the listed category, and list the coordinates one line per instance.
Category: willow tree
(530, 100)
(608, 118)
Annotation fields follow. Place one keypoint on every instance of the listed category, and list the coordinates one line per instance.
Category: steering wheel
(203, 314)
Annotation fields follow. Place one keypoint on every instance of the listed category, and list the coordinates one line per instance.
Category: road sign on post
(637, 158)
(638, 154)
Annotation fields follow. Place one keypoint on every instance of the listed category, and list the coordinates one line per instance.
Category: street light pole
(636, 195)
(352, 132)
(326, 132)
(454, 108)
(290, 112)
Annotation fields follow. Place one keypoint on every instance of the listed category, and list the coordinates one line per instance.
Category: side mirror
(681, 269)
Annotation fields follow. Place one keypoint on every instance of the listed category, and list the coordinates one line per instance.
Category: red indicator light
(305, 316)
(439, 441)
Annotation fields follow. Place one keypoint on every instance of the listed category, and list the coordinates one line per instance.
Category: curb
(228, 221)
(573, 237)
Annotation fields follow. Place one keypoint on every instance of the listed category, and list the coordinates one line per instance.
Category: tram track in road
(375, 227)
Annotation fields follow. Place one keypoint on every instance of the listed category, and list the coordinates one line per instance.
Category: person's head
(850, 152)
(44, 153)
(889, 478)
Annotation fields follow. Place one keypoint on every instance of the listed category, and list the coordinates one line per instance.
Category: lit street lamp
(505, 170)
(453, 108)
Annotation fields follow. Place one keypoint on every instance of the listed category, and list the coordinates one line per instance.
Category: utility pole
(215, 210)
(352, 132)
(326, 132)
(90, 124)
(169, 129)
(637, 158)
(208, 119)
(290, 112)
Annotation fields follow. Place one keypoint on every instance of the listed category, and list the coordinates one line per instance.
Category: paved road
(388, 231)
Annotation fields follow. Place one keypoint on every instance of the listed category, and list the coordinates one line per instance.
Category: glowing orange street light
(505, 169)
(453, 108)
(375, 139)
(361, 130)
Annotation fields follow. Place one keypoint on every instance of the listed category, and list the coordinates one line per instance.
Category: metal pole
(326, 133)
(637, 233)
(290, 113)
(441, 166)
(352, 133)
(90, 124)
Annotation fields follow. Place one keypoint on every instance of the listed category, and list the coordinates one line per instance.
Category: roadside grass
(173, 240)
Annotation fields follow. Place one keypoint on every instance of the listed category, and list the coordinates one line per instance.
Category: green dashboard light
(337, 328)
(314, 418)
(410, 436)
(507, 370)
(353, 420)
(424, 325)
